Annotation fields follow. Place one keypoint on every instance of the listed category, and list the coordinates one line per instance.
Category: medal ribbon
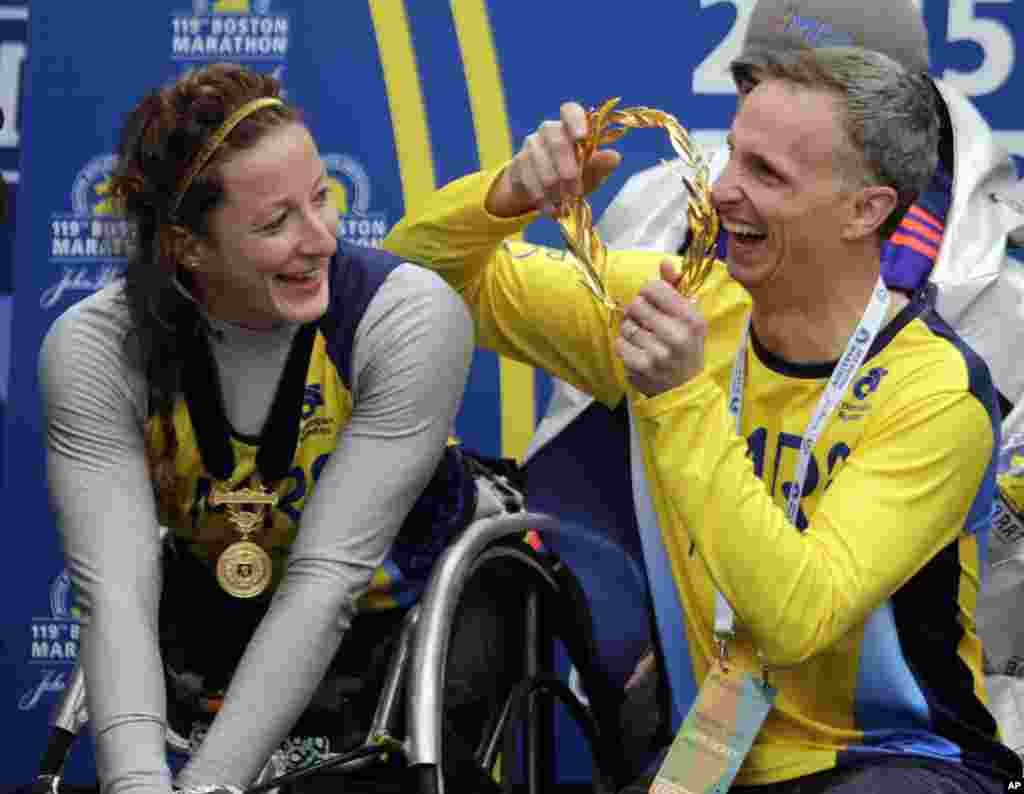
(280, 434)
(244, 568)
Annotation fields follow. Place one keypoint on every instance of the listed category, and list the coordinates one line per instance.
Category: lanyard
(844, 373)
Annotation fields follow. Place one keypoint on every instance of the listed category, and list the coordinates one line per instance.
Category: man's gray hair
(889, 116)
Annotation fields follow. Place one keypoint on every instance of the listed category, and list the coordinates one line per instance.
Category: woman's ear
(179, 246)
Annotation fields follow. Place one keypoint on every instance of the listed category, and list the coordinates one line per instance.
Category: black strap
(280, 434)
(574, 626)
(568, 614)
(519, 699)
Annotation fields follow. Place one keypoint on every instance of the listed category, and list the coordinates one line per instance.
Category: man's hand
(661, 339)
(545, 172)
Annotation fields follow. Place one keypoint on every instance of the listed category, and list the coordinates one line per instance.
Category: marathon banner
(402, 97)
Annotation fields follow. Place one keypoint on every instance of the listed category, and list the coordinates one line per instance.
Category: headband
(215, 141)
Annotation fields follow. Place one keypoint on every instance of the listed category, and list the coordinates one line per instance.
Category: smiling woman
(282, 403)
(271, 240)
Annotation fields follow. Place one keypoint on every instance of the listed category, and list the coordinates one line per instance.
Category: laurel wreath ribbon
(576, 221)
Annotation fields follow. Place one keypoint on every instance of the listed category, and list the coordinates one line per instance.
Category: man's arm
(903, 494)
(527, 301)
(101, 493)
(411, 359)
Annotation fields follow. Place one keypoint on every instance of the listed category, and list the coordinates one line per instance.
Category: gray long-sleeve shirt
(409, 362)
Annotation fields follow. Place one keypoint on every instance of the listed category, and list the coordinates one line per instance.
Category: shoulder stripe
(923, 215)
(979, 378)
(920, 246)
(356, 275)
(926, 231)
(980, 385)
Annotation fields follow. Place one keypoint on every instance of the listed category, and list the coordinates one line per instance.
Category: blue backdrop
(402, 97)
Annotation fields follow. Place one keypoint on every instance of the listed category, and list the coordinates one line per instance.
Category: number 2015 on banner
(965, 22)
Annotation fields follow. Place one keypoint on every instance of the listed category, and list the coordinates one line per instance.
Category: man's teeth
(743, 229)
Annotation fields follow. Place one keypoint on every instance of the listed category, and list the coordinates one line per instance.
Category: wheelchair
(554, 605)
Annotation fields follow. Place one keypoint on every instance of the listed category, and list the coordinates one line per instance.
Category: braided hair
(156, 185)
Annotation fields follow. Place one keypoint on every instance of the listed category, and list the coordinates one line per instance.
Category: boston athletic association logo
(348, 184)
(52, 644)
(89, 245)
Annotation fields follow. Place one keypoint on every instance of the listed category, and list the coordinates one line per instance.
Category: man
(959, 245)
(853, 581)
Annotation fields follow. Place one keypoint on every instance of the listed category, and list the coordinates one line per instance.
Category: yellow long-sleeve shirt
(865, 610)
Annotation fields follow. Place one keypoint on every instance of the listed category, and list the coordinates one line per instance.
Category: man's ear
(870, 209)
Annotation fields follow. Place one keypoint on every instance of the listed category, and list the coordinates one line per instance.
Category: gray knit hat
(895, 28)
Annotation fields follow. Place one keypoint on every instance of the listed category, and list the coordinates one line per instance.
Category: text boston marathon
(230, 36)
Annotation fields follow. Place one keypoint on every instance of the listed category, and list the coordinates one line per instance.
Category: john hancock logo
(869, 383)
(862, 389)
(53, 644)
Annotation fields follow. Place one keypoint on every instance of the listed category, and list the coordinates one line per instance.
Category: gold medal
(244, 568)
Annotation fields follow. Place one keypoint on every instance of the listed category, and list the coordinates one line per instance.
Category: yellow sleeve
(903, 494)
(527, 301)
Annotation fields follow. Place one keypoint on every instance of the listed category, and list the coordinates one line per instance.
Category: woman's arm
(101, 494)
(412, 354)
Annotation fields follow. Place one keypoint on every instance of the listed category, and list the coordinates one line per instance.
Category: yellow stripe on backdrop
(415, 158)
(494, 144)
(405, 100)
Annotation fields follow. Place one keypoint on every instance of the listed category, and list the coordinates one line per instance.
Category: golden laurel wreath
(576, 220)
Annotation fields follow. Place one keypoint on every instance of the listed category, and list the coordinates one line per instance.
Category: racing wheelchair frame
(418, 665)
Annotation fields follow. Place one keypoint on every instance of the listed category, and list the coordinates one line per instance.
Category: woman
(281, 403)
